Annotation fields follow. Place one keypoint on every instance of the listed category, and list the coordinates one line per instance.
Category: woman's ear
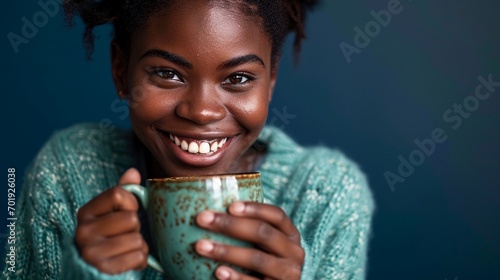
(119, 69)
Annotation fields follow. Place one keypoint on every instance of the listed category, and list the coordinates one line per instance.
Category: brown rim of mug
(245, 175)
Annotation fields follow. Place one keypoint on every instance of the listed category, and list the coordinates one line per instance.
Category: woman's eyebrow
(168, 56)
(233, 62)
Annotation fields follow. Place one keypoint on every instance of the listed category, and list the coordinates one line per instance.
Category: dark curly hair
(279, 17)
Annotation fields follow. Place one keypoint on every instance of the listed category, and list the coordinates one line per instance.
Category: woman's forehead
(204, 29)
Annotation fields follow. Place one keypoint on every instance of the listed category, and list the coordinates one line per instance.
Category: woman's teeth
(199, 146)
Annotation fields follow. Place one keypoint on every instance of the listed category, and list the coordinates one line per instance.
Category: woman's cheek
(148, 103)
(253, 112)
(141, 95)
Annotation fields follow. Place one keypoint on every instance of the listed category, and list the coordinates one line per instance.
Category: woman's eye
(237, 79)
(167, 74)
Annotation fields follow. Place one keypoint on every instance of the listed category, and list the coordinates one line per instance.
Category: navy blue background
(442, 222)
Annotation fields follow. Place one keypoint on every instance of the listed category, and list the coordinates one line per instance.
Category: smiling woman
(198, 77)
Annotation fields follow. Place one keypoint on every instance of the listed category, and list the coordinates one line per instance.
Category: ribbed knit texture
(324, 193)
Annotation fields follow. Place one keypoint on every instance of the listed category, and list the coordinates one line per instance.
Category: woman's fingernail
(205, 246)
(207, 217)
(238, 207)
(223, 273)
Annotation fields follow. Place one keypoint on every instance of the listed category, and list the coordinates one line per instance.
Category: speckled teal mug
(172, 205)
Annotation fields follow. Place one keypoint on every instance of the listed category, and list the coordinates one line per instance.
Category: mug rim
(242, 175)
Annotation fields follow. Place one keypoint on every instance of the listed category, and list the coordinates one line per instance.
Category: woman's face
(199, 82)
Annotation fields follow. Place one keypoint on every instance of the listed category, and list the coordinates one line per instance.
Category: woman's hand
(108, 233)
(278, 254)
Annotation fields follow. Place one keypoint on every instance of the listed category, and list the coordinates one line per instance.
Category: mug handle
(142, 194)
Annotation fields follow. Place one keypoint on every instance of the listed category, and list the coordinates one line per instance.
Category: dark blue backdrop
(375, 89)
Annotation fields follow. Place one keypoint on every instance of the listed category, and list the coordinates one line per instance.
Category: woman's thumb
(131, 176)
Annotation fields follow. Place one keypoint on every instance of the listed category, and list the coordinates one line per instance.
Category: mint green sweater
(324, 193)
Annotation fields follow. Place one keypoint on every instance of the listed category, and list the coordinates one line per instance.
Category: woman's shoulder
(85, 145)
(89, 140)
(90, 137)
(316, 171)
(284, 151)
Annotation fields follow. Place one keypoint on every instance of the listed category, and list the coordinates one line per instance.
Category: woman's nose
(201, 106)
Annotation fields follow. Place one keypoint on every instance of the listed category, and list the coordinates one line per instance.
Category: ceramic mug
(172, 205)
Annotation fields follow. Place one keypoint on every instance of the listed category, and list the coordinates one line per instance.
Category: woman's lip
(207, 136)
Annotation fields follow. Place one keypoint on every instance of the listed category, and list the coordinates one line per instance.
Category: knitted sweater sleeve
(46, 222)
(329, 201)
(339, 212)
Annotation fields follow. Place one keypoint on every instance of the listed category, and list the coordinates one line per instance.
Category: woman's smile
(199, 146)
(197, 149)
